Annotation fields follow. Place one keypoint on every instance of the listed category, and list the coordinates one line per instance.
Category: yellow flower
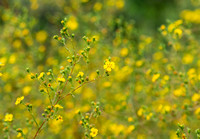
(188, 58)
(108, 66)
(140, 112)
(130, 129)
(58, 106)
(26, 90)
(196, 97)
(72, 23)
(80, 74)
(179, 92)
(119, 4)
(178, 32)
(19, 99)
(48, 73)
(41, 75)
(41, 36)
(59, 118)
(124, 52)
(19, 134)
(69, 60)
(155, 77)
(93, 132)
(61, 80)
(8, 118)
(130, 119)
(1, 74)
(162, 27)
(97, 6)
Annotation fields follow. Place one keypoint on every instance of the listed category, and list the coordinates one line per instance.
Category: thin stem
(34, 119)
(49, 97)
(39, 128)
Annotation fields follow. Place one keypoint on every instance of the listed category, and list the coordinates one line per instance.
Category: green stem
(34, 119)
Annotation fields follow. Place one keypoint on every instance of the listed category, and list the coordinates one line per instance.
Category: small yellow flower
(41, 75)
(162, 27)
(41, 36)
(19, 100)
(108, 66)
(196, 97)
(58, 106)
(80, 74)
(19, 134)
(93, 132)
(69, 60)
(8, 118)
(178, 32)
(1, 74)
(130, 119)
(62, 80)
(59, 118)
(48, 73)
(155, 77)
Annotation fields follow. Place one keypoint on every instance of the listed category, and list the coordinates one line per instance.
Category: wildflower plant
(58, 87)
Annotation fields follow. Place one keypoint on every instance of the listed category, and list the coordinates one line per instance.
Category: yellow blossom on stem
(41, 75)
(155, 77)
(59, 118)
(93, 132)
(108, 66)
(80, 74)
(8, 118)
(61, 80)
(19, 99)
(69, 60)
(58, 106)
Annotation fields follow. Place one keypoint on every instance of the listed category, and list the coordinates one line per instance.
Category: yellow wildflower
(41, 75)
(124, 52)
(69, 60)
(178, 32)
(72, 23)
(80, 74)
(140, 112)
(58, 106)
(59, 118)
(41, 36)
(180, 92)
(130, 119)
(162, 27)
(48, 73)
(93, 132)
(130, 129)
(196, 97)
(19, 100)
(108, 66)
(1, 74)
(61, 80)
(188, 58)
(97, 6)
(8, 118)
(155, 77)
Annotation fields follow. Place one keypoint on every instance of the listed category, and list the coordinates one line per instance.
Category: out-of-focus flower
(93, 132)
(108, 66)
(8, 118)
(19, 100)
